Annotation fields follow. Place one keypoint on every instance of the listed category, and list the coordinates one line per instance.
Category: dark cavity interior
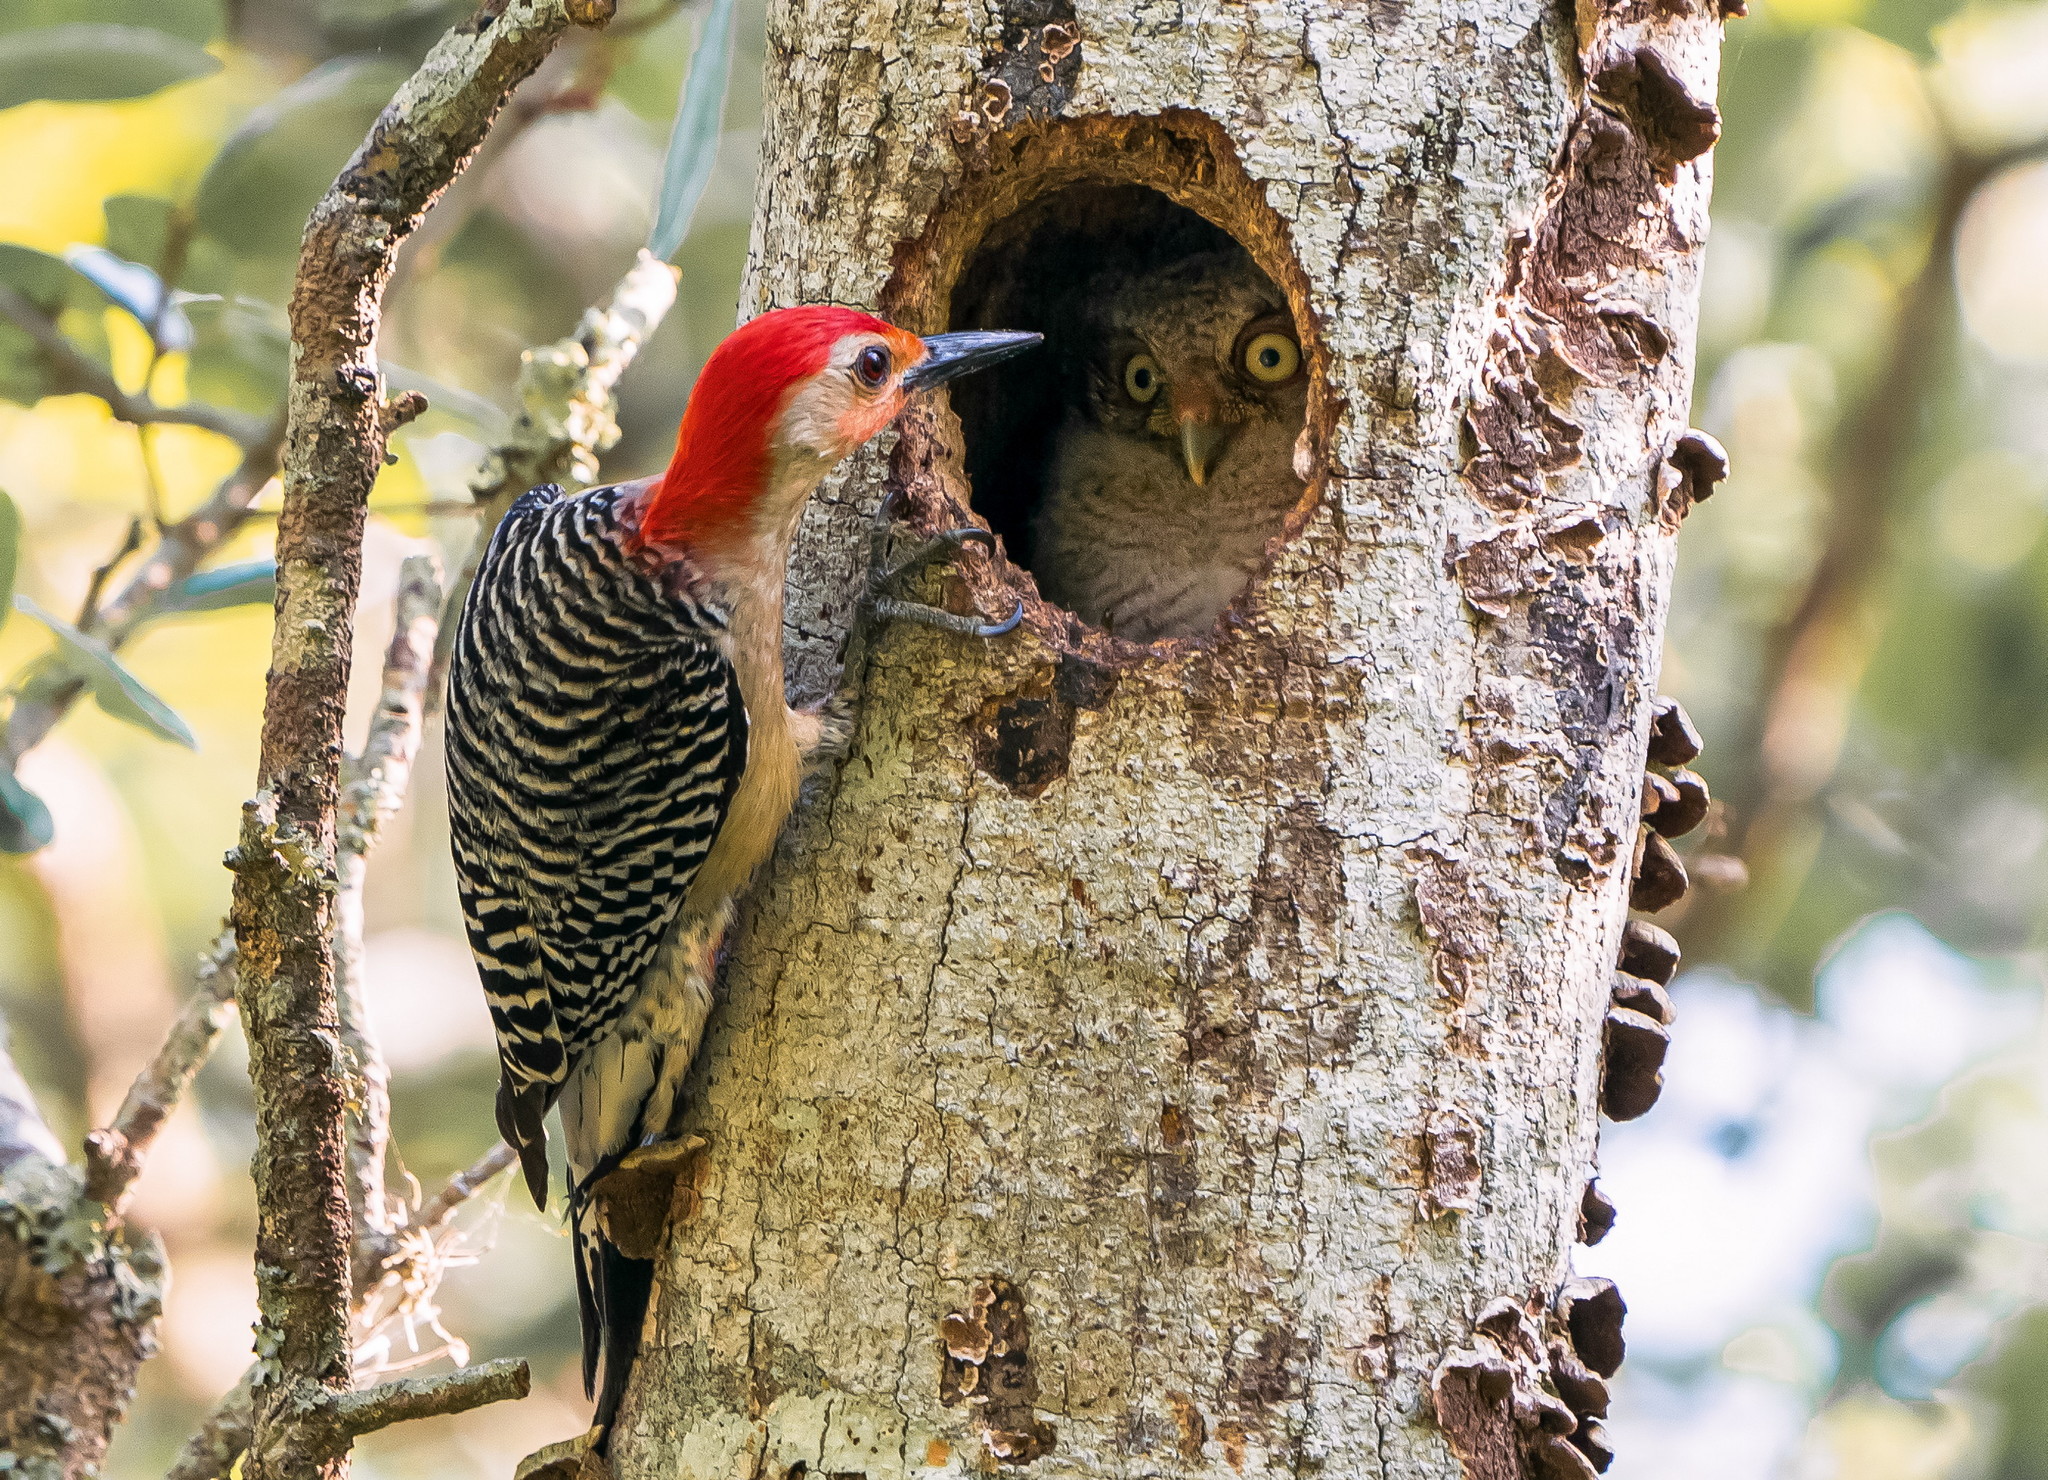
(1140, 462)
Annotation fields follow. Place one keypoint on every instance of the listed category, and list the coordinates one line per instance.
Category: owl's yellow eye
(1272, 358)
(1141, 378)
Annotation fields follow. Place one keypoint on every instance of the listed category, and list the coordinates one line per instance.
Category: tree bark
(286, 865)
(1186, 1060)
(79, 1299)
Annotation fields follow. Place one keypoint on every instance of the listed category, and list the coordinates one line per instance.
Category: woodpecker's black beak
(950, 356)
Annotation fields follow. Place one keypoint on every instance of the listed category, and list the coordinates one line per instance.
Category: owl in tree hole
(1174, 462)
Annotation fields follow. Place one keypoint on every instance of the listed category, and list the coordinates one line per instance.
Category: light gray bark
(1194, 1082)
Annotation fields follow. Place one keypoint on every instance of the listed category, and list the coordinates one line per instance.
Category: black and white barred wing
(595, 736)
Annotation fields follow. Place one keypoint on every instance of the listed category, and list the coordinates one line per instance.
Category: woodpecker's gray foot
(942, 546)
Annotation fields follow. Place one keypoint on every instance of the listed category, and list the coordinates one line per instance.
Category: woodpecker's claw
(943, 545)
(891, 610)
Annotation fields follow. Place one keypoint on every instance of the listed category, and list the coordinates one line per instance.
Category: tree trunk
(1159, 1061)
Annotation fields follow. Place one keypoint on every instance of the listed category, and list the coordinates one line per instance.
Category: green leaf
(54, 289)
(245, 583)
(135, 288)
(260, 187)
(693, 141)
(116, 690)
(138, 227)
(25, 823)
(94, 63)
(42, 279)
(10, 552)
(241, 351)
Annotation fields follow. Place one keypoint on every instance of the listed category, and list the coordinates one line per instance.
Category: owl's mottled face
(1190, 354)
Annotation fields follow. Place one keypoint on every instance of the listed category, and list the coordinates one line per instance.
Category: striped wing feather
(595, 736)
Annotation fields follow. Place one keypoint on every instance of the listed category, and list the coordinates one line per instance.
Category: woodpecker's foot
(942, 546)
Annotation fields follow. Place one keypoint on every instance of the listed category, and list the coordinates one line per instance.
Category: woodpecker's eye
(871, 366)
(1141, 378)
(1271, 358)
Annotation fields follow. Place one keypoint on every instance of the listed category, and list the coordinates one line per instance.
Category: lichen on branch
(286, 868)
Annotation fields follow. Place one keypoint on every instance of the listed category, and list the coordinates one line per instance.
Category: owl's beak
(1200, 441)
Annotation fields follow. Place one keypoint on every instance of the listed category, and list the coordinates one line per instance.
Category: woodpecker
(621, 756)
(1173, 464)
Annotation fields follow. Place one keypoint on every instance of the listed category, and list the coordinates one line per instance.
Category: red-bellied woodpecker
(621, 756)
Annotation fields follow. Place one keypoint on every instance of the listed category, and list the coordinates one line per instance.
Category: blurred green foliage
(1860, 628)
(1878, 154)
(87, 62)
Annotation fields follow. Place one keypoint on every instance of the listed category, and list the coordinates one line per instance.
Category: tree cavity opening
(1140, 465)
(1082, 229)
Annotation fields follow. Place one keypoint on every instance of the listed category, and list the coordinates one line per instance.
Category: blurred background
(1833, 1230)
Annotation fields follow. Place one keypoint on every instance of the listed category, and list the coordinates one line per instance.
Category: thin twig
(152, 476)
(371, 1409)
(463, 1186)
(130, 543)
(567, 394)
(286, 863)
(220, 1440)
(80, 372)
(401, 1293)
(373, 787)
(114, 1155)
(47, 695)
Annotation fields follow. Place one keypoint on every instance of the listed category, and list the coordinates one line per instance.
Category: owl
(1173, 464)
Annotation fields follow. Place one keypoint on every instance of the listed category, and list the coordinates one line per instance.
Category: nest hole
(1143, 463)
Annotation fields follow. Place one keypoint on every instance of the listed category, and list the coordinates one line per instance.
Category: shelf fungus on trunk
(1636, 1035)
(1526, 1396)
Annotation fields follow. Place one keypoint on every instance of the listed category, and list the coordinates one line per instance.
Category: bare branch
(287, 863)
(464, 1185)
(373, 784)
(79, 1299)
(535, 101)
(213, 1448)
(373, 787)
(222, 1439)
(459, 1391)
(81, 372)
(327, 1422)
(114, 1155)
(130, 543)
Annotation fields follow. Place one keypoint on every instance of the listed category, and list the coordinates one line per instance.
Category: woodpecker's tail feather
(522, 1121)
(612, 1291)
